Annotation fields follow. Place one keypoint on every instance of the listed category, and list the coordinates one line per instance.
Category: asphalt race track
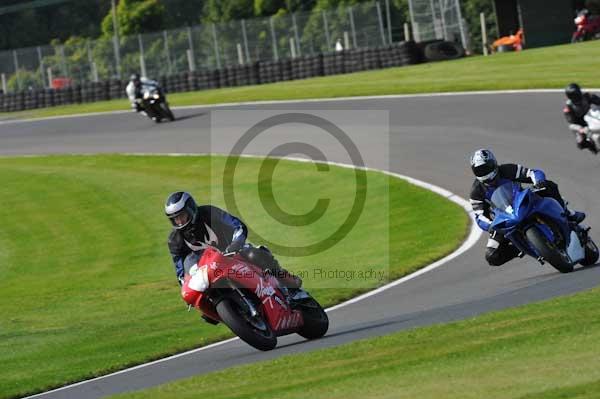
(431, 138)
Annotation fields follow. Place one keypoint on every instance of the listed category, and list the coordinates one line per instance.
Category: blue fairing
(514, 212)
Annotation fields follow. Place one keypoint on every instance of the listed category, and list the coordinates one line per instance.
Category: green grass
(546, 350)
(550, 67)
(87, 283)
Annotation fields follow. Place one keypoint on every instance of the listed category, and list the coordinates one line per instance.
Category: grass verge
(531, 352)
(86, 280)
(549, 67)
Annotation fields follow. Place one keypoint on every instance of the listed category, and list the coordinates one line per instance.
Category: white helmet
(484, 165)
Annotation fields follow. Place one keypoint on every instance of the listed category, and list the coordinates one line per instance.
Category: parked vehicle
(509, 43)
(227, 288)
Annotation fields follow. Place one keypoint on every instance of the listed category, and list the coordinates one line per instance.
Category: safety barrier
(261, 72)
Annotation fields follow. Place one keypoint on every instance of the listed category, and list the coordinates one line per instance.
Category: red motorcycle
(228, 288)
(588, 26)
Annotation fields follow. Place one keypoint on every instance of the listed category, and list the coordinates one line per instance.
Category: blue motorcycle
(537, 226)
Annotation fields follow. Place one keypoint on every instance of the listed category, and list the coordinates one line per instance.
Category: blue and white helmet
(484, 165)
(181, 209)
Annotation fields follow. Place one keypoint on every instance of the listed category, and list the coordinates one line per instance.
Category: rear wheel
(316, 322)
(253, 330)
(549, 251)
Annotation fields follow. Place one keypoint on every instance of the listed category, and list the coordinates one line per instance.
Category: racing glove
(235, 246)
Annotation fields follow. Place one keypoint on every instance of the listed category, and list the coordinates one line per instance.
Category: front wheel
(253, 330)
(591, 253)
(548, 250)
(316, 322)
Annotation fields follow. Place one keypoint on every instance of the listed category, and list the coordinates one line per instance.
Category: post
(16, 62)
(389, 20)
(191, 54)
(346, 40)
(50, 77)
(4, 84)
(240, 54)
(352, 27)
(143, 71)
(406, 32)
(326, 26)
(41, 62)
(191, 60)
(296, 35)
(380, 19)
(245, 40)
(63, 62)
(463, 36)
(216, 45)
(443, 16)
(483, 34)
(415, 27)
(274, 39)
(116, 39)
(292, 47)
(167, 52)
(95, 72)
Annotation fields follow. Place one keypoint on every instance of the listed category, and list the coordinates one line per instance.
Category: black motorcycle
(154, 103)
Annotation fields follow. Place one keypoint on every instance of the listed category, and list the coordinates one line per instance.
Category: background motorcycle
(592, 118)
(155, 105)
(538, 227)
(227, 288)
(588, 26)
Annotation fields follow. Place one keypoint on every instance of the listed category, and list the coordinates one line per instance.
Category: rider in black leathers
(576, 107)
(197, 227)
(489, 175)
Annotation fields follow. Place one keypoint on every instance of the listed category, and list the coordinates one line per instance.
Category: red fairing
(224, 270)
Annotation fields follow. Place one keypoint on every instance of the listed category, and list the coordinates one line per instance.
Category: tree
(136, 16)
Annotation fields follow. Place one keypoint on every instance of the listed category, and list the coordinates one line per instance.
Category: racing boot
(574, 216)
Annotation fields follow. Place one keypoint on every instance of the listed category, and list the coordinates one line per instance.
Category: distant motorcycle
(538, 227)
(229, 289)
(588, 26)
(592, 131)
(154, 104)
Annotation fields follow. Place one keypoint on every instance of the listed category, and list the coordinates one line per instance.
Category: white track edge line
(306, 100)
(472, 238)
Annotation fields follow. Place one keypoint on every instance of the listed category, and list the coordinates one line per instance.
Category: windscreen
(503, 196)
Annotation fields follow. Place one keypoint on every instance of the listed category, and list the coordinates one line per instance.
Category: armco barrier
(398, 54)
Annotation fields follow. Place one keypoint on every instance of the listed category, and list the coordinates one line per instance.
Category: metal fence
(203, 47)
(438, 19)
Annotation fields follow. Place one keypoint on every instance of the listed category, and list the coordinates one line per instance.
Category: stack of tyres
(49, 98)
(30, 99)
(353, 60)
(77, 95)
(333, 63)
(227, 77)
(371, 59)
(285, 67)
(242, 75)
(115, 89)
(269, 71)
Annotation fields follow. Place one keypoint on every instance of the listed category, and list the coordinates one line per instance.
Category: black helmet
(135, 78)
(573, 93)
(181, 209)
(484, 165)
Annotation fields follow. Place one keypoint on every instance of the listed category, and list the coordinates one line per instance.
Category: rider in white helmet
(488, 176)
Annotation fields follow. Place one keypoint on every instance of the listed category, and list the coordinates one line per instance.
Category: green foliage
(23, 80)
(136, 16)
(471, 11)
